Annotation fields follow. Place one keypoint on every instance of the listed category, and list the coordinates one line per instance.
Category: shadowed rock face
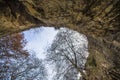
(99, 20)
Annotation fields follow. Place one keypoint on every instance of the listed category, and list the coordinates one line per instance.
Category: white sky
(38, 40)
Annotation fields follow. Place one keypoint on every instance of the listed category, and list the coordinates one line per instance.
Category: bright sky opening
(38, 41)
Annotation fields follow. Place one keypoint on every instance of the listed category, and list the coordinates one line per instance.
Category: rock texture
(99, 20)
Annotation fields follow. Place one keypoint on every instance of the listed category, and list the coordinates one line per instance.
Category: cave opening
(48, 52)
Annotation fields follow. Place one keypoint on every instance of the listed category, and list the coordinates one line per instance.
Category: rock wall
(99, 20)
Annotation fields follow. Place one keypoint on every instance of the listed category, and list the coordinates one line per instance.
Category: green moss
(3, 30)
(92, 61)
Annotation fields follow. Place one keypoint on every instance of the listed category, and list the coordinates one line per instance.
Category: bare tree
(30, 68)
(11, 48)
(68, 54)
(16, 63)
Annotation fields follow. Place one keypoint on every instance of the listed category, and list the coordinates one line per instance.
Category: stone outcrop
(99, 20)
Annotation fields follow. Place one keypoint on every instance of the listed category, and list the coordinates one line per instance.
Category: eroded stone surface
(99, 20)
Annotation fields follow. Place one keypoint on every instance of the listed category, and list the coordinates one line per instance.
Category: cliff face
(99, 20)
